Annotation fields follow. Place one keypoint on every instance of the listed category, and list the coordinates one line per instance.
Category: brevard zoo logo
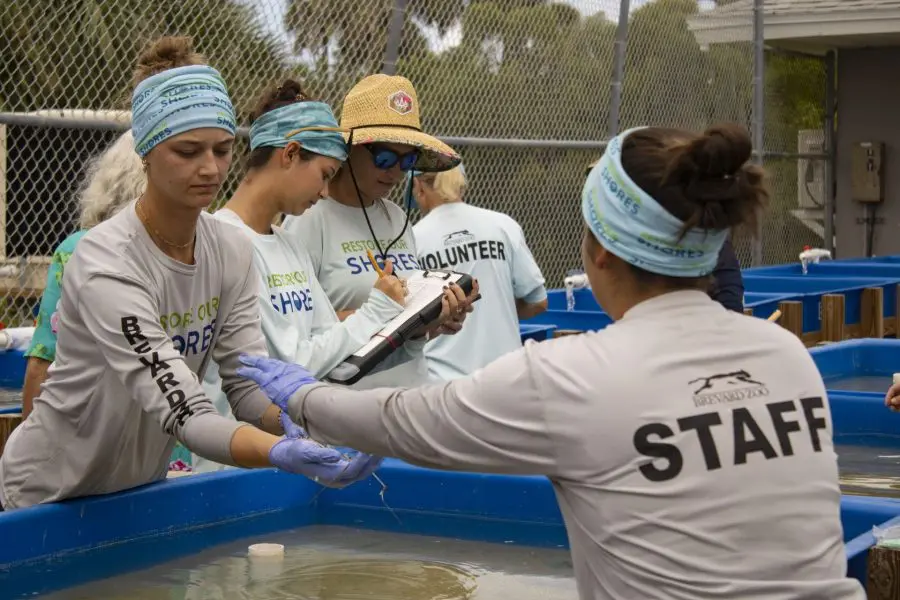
(723, 388)
(458, 237)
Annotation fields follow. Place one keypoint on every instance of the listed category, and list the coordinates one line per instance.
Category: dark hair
(287, 93)
(704, 180)
(165, 53)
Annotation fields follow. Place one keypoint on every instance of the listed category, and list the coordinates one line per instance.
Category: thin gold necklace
(153, 230)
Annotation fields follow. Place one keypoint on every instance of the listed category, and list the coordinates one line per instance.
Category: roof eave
(795, 30)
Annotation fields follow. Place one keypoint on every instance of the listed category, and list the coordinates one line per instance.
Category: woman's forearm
(271, 421)
(35, 375)
(250, 447)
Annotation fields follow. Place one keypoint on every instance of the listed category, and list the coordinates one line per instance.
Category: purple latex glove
(303, 456)
(327, 466)
(297, 453)
(361, 466)
(291, 429)
(277, 379)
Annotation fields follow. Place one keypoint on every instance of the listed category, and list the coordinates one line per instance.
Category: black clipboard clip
(437, 274)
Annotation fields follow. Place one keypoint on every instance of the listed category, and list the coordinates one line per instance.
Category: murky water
(338, 563)
(869, 470)
(861, 383)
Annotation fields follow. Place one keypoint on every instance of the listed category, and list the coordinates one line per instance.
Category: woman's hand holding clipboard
(438, 302)
(454, 307)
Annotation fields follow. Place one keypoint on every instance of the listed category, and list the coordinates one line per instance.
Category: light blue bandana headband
(634, 227)
(178, 100)
(311, 124)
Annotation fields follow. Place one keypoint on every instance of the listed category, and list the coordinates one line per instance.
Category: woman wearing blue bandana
(381, 122)
(150, 296)
(296, 147)
(689, 446)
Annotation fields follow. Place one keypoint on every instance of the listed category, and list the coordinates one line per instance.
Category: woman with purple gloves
(150, 296)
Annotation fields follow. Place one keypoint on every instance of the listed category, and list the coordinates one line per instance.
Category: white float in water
(266, 551)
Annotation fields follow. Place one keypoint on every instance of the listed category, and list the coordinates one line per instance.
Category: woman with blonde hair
(112, 180)
(488, 245)
(381, 118)
(150, 297)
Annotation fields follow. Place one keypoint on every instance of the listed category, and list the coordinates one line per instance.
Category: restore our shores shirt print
(338, 238)
(192, 330)
(358, 260)
(290, 292)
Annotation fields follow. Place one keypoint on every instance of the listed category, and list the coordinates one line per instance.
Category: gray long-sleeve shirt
(690, 448)
(135, 326)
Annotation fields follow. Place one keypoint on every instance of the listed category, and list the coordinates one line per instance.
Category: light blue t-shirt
(491, 247)
(297, 318)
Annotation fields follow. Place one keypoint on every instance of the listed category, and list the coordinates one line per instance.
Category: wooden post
(833, 311)
(883, 573)
(897, 314)
(871, 317)
(7, 424)
(792, 317)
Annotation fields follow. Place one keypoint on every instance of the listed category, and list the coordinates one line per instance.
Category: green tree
(81, 54)
(670, 80)
(528, 71)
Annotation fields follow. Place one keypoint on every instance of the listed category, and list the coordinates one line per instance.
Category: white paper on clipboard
(424, 287)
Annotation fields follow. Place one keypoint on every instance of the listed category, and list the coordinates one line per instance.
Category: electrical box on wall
(867, 180)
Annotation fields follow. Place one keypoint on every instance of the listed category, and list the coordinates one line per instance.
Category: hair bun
(703, 180)
(720, 152)
(290, 91)
(166, 53)
(287, 92)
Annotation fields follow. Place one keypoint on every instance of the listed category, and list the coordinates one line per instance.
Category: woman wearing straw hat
(690, 447)
(381, 117)
(295, 149)
(150, 296)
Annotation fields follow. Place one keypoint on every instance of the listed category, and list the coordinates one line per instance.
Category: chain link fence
(524, 89)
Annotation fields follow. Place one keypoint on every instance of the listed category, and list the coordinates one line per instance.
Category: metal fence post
(759, 99)
(618, 76)
(395, 35)
(830, 151)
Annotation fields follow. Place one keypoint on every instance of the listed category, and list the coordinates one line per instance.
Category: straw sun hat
(385, 108)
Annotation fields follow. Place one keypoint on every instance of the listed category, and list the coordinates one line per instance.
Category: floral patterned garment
(43, 342)
(46, 328)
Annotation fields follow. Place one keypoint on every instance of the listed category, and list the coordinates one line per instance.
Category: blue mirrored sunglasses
(385, 158)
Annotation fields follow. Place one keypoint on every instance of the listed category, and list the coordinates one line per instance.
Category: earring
(144, 164)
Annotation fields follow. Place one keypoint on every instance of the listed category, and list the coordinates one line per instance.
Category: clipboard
(423, 306)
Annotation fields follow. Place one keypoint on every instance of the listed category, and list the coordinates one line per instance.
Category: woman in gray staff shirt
(689, 446)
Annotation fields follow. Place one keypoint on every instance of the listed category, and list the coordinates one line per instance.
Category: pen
(374, 263)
